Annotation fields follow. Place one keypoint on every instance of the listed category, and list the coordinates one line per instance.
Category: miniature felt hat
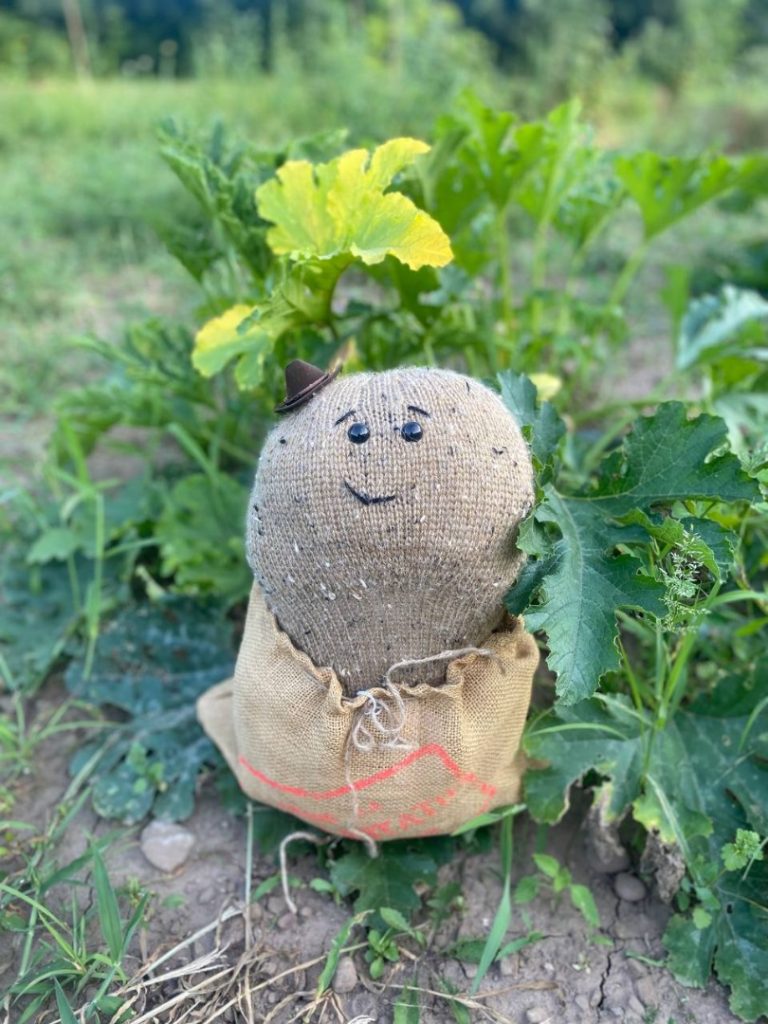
(302, 381)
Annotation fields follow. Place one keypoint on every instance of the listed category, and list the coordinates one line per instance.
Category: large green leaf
(589, 736)
(152, 662)
(579, 599)
(714, 325)
(668, 188)
(473, 155)
(668, 457)
(37, 614)
(559, 160)
(386, 880)
(539, 421)
(340, 208)
(590, 203)
(665, 459)
(200, 535)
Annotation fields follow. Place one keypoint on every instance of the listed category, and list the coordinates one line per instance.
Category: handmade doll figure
(383, 519)
(380, 691)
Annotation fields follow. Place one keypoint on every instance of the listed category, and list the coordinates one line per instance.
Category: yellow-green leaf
(219, 340)
(340, 209)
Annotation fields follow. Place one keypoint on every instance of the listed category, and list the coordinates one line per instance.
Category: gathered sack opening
(393, 761)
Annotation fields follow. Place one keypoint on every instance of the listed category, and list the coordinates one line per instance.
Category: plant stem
(627, 275)
(632, 678)
(93, 598)
(505, 269)
(673, 692)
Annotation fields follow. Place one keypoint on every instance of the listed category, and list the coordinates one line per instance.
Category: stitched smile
(368, 499)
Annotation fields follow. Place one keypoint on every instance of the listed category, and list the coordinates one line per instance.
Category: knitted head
(383, 520)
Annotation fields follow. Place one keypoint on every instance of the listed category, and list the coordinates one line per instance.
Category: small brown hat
(302, 381)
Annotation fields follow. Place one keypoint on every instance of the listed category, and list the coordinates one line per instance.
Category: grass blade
(47, 917)
(65, 1010)
(504, 913)
(107, 909)
(407, 1007)
(334, 953)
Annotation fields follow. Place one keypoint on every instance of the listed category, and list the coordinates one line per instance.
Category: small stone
(549, 967)
(166, 845)
(470, 970)
(276, 905)
(582, 1002)
(629, 888)
(286, 921)
(507, 966)
(536, 1015)
(345, 978)
(647, 991)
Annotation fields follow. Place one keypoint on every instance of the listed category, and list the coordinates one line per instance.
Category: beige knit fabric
(390, 550)
(387, 763)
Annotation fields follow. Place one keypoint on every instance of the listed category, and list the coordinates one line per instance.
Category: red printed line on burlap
(406, 820)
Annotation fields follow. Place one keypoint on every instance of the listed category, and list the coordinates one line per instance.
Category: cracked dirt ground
(566, 977)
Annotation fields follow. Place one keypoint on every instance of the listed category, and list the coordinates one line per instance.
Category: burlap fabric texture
(398, 545)
(392, 761)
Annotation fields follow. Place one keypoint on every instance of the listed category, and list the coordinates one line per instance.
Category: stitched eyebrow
(344, 417)
(415, 408)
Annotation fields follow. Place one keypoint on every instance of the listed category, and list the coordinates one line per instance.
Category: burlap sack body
(387, 763)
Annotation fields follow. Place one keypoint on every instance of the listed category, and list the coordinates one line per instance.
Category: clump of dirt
(265, 966)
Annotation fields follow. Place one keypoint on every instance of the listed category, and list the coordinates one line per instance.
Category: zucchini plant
(515, 251)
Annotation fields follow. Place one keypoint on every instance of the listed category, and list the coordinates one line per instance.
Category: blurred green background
(83, 84)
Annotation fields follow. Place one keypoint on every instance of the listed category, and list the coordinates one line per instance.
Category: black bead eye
(412, 431)
(358, 433)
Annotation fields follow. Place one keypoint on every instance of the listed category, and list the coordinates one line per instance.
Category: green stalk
(93, 603)
(673, 692)
(538, 270)
(505, 269)
(661, 662)
(634, 685)
(627, 275)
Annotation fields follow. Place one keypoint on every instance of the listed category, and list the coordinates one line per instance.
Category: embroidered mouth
(369, 499)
